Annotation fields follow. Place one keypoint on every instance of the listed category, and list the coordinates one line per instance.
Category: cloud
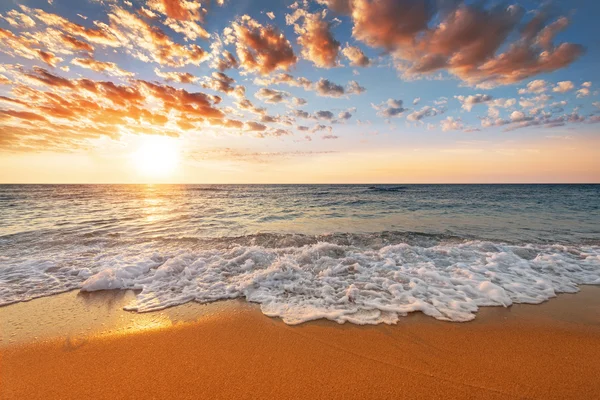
(147, 42)
(594, 119)
(18, 19)
(246, 105)
(316, 40)
(254, 126)
(24, 115)
(320, 127)
(452, 124)
(391, 108)
(44, 77)
(424, 112)
(416, 101)
(494, 104)
(278, 132)
(271, 96)
(327, 115)
(18, 46)
(469, 101)
(346, 115)
(537, 86)
(271, 15)
(325, 87)
(183, 16)
(260, 49)
(76, 44)
(231, 123)
(102, 34)
(179, 77)
(389, 24)
(356, 56)
(109, 68)
(279, 119)
(191, 30)
(222, 83)
(298, 101)
(225, 61)
(483, 47)
(353, 87)
(221, 59)
(585, 90)
(339, 6)
(534, 101)
(68, 113)
(519, 116)
(301, 114)
(520, 120)
(178, 9)
(125, 30)
(563, 87)
(284, 79)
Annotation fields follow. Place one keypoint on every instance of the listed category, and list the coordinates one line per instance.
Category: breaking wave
(362, 279)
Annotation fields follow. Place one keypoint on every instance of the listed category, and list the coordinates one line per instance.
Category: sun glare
(157, 156)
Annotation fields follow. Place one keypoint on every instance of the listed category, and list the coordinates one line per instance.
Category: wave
(387, 188)
(339, 277)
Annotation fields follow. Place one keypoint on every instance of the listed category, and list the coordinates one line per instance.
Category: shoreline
(75, 344)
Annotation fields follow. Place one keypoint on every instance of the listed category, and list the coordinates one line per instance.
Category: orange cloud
(466, 40)
(181, 77)
(260, 49)
(224, 61)
(317, 41)
(68, 113)
(14, 46)
(221, 83)
(101, 66)
(147, 42)
(178, 9)
(356, 56)
(75, 43)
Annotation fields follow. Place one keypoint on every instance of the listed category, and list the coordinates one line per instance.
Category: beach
(78, 345)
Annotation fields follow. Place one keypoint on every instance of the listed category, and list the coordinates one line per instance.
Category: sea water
(364, 254)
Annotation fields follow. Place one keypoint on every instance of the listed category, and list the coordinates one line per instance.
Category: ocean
(364, 254)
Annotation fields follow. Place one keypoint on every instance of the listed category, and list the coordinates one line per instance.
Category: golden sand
(77, 346)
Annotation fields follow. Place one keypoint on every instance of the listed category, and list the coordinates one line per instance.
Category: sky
(315, 91)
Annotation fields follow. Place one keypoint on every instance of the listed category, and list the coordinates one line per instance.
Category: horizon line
(297, 184)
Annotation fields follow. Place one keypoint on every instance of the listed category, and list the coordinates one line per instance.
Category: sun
(157, 156)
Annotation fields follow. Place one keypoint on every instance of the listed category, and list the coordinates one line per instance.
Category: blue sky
(462, 113)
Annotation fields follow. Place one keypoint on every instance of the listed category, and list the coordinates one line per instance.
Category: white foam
(362, 286)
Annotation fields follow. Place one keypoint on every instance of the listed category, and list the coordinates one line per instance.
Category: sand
(75, 346)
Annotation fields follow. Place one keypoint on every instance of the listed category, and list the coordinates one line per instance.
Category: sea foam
(362, 286)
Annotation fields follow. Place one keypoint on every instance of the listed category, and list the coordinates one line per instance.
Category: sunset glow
(307, 91)
(157, 157)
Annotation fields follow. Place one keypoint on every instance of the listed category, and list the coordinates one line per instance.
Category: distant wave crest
(387, 188)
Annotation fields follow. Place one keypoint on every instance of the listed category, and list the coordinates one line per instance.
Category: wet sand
(74, 346)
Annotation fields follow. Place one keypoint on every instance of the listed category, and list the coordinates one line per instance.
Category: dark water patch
(387, 188)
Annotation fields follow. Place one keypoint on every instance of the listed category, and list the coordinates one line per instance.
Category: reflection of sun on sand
(87, 346)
